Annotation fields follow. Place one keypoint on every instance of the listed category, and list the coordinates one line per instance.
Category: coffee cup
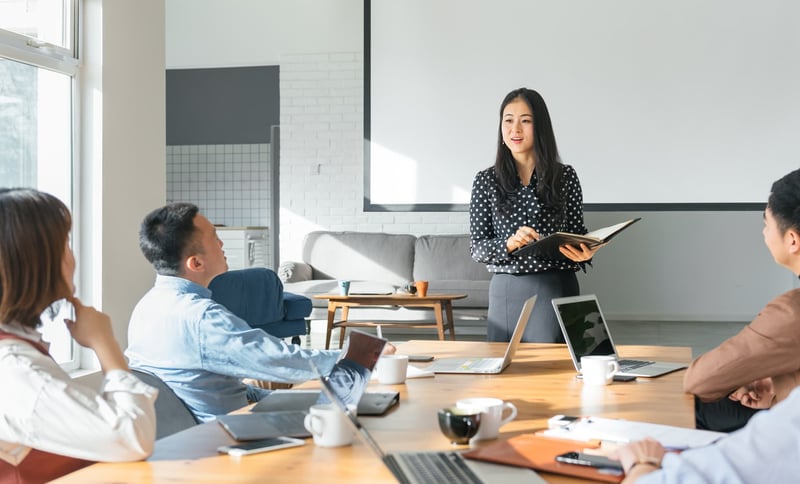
(328, 426)
(598, 369)
(392, 369)
(459, 424)
(344, 288)
(422, 288)
(494, 414)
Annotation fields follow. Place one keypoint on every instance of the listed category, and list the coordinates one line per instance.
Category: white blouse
(43, 408)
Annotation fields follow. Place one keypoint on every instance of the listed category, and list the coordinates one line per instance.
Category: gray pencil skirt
(507, 295)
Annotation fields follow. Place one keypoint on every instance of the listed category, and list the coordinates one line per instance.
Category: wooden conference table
(540, 382)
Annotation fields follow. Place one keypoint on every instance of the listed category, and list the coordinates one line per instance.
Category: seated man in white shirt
(202, 350)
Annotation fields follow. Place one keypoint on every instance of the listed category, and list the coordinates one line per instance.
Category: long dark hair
(548, 162)
(34, 229)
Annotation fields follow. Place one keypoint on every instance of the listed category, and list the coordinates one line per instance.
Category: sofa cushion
(446, 258)
(292, 271)
(360, 256)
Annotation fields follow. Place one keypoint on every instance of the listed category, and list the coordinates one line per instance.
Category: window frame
(66, 61)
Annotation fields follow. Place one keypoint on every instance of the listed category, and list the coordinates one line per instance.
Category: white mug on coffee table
(392, 369)
(492, 415)
(328, 426)
(598, 369)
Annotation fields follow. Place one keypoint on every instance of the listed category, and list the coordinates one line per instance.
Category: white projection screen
(659, 105)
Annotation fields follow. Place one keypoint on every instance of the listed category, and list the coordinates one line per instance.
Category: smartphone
(561, 421)
(616, 377)
(590, 460)
(420, 358)
(263, 445)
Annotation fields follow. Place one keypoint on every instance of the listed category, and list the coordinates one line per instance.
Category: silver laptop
(487, 365)
(586, 333)
(432, 467)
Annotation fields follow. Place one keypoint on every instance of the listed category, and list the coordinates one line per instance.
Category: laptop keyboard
(431, 467)
(625, 365)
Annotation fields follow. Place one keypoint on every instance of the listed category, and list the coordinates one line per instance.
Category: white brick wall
(322, 158)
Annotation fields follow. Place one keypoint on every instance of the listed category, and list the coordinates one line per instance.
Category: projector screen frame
(369, 206)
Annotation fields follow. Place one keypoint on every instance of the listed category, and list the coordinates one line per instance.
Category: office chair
(256, 295)
(172, 415)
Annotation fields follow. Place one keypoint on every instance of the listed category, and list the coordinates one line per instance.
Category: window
(38, 69)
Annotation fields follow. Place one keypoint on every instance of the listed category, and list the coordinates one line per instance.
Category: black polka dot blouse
(489, 229)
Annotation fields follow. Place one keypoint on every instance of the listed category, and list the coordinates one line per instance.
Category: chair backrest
(254, 294)
(172, 415)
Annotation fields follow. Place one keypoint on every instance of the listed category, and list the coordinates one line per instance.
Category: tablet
(371, 403)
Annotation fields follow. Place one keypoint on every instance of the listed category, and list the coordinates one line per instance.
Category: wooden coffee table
(438, 302)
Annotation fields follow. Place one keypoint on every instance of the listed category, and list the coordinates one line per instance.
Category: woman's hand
(578, 254)
(521, 237)
(639, 458)
(92, 329)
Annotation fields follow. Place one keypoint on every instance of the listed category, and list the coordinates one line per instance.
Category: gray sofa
(386, 263)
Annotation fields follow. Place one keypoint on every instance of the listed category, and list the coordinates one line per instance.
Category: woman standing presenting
(527, 194)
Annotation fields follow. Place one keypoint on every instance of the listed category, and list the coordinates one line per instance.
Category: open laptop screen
(584, 327)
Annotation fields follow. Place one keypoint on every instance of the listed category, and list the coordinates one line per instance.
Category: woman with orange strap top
(51, 424)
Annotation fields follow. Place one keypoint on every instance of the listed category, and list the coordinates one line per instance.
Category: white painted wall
(670, 266)
(122, 150)
(217, 33)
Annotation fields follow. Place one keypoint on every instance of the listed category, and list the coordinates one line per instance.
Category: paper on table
(411, 372)
(414, 372)
(620, 431)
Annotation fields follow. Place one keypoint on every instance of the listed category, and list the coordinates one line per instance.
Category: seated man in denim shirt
(202, 350)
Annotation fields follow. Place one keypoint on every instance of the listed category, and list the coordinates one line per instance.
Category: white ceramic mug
(392, 369)
(492, 415)
(598, 369)
(328, 426)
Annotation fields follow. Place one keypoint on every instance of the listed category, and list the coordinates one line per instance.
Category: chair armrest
(293, 271)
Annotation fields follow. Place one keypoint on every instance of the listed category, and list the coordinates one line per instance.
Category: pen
(380, 333)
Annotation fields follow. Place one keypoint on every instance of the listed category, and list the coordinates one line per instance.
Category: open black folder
(547, 247)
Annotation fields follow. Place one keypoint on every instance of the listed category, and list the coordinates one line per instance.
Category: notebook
(586, 333)
(432, 467)
(264, 425)
(371, 403)
(487, 365)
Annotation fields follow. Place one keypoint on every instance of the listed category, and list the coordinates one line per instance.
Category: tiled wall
(322, 157)
(230, 183)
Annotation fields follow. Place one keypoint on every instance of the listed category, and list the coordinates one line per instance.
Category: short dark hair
(784, 201)
(166, 236)
(34, 230)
